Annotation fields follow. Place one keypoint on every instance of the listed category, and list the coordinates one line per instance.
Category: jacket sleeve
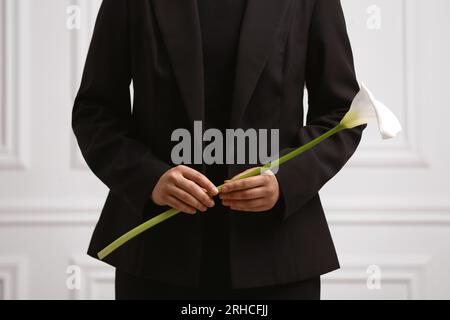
(101, 115)
(331, 85)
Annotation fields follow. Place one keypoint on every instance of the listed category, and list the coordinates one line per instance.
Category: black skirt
(130, 287)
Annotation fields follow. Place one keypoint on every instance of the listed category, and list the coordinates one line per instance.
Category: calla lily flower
(363, 110)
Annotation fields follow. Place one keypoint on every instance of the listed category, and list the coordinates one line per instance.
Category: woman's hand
(184, 189)
(254, 194)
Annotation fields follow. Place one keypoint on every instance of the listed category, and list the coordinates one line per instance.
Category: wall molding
(50, 211)
(13, 278)
(14, 93)
(363, 211)
(402, 211)
(409, 270)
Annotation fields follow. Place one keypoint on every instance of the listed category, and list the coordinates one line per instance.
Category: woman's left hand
(254, 194)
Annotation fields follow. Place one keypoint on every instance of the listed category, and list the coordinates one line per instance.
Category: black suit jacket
(284, 45)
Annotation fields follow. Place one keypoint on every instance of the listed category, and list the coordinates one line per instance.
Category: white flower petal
(361, 111)
(365, 108)
(388, 123)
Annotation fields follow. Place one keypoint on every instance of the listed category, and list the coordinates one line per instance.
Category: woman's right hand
(184, 189)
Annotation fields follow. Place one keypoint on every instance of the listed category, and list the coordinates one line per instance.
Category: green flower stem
(172, 212)
(135, 232)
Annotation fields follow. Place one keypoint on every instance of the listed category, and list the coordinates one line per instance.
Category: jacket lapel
(261, 22)
(180, 27)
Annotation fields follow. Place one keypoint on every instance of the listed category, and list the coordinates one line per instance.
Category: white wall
(389, 208)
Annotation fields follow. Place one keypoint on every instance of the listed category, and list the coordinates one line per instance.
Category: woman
(230, 64)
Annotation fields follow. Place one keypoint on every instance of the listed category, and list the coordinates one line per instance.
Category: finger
(193, 189)
(185, 197)
(177, 204)
(200, 179)
(247, 194)
(243, 184)
(246, 204)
